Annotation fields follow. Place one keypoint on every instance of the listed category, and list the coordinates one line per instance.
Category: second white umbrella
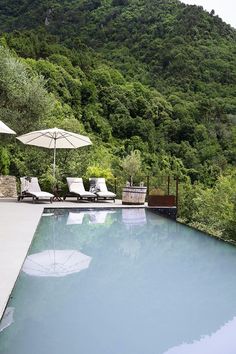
(55, 139)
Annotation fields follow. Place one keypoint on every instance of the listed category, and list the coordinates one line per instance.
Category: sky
(226, 9)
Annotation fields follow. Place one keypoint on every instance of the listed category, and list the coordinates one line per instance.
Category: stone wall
(7, 186)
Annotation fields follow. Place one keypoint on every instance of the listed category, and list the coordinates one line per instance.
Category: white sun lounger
(76, 189)
(30, 189)
(98, 186)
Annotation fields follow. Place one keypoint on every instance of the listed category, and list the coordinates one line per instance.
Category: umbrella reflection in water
(56, 263)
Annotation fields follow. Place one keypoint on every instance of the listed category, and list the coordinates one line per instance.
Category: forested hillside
(156, 76)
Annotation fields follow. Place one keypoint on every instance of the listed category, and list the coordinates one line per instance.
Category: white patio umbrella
(56, 263)
(55, 139)
(5, 129)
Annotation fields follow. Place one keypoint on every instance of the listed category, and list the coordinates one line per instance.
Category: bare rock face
(46, 22)
(48, 17)
(8, 187)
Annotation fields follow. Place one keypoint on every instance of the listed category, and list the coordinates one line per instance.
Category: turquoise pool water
(123, 281)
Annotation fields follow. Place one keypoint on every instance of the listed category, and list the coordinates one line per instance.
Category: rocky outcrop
(8, 186)
(48, 17)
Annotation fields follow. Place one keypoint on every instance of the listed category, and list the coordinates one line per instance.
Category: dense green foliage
(156, 76)
(211, 209)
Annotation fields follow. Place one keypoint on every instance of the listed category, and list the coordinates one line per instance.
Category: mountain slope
(160, 42)
(174, 92)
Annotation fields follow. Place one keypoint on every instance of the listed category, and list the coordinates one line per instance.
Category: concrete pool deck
(18, 223)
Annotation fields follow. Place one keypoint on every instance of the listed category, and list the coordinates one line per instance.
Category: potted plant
(131, 194)
(157, 197)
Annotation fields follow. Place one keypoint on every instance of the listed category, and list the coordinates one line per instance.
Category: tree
(23, 97)
(4, 161)
(120, 2)
(231, 225)
(131, 164)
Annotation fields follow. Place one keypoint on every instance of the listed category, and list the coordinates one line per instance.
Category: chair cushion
(42, 194)
(106, 194)
(83, 193)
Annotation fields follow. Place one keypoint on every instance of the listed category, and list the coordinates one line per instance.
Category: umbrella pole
(54, 159)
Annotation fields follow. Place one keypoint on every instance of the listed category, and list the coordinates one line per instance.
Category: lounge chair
(30, 189)
(98, 186)
(76, 189)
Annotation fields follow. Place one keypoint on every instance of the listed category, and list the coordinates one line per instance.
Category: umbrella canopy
(55, 139)
(5, 129)
(56, 263)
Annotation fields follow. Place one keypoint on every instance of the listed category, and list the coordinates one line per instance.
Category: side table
(57, 195)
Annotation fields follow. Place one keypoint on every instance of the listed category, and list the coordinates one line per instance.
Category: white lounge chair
(30, 189)
(99, 187)
(76, 189)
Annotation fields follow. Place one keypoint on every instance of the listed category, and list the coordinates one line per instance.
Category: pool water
(122, 281)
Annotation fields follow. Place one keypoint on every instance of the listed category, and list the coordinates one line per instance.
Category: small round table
(57, 195)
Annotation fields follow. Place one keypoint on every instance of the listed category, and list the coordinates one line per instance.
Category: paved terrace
(18, 222)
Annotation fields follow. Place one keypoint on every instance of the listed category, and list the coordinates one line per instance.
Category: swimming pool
(122, 281)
